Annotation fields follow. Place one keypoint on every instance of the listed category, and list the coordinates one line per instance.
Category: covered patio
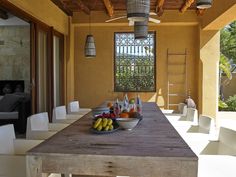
(182, 48)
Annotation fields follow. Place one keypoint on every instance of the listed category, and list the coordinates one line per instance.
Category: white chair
(226, 145)
(198, 136)
(183, 123)
(192, 116)
(60, 116)
(38, 127)
(182, 111)
(12, 152)
(74, 108)
(205, 125)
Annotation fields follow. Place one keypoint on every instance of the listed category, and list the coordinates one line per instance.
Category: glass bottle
(126, 103)
(117, 108)
(139, 105)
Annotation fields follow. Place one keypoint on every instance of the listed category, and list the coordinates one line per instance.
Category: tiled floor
(210, 165)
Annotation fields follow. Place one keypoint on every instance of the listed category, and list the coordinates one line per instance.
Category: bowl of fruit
(104, 125)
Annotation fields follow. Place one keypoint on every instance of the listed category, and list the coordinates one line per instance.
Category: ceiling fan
(131, 23)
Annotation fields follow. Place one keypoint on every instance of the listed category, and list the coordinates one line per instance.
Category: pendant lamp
(90, 49)
(204, 4)
(141, 30)
(138, 10)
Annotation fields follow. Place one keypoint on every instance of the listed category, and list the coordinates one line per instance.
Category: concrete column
(209, 71)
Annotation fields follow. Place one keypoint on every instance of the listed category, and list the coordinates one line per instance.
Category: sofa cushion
(9, 102)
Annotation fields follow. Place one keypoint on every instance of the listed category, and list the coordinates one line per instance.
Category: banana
(97, 123)
(104, 122)
(111, 127)
(109, 122)
(99, 127)
(107, 128)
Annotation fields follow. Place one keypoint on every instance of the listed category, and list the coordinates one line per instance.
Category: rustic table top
(154, 136)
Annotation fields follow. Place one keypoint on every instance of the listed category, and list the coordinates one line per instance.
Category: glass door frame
(35, 26)
(61, 67)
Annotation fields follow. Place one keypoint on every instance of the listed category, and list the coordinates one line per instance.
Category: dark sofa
(15, 107)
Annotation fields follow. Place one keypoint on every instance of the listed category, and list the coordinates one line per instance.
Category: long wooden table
(152, 149)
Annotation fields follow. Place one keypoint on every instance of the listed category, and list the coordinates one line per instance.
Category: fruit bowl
(127, 123)
(104, 126)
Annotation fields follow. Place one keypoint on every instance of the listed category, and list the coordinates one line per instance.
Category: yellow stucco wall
(209, 69)
(94, 77)
(45, 11)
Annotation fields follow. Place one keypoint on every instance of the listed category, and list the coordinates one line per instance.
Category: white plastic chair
(12, 152)
(182, 111)
(205, 125)
(60, 116)
(226, 145)
(38, 127)
(192, 116)
(74, 108)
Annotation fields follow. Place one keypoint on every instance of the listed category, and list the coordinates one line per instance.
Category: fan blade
(131, 23)
(113, 19)
(154, 20)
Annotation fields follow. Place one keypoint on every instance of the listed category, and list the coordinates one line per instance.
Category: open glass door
(58, 55)
(43, 76)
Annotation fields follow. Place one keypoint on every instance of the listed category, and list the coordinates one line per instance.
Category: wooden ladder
(176, 78)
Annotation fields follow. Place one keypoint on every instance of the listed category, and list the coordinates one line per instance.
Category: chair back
(38, 122)
(181, 107)
(192, 115)
(59, 113)
(7, 136)
(228, 137)
(205, 122)
(185, 110)
(73, 107)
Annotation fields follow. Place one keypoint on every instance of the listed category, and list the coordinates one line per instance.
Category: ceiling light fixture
(138, 10)
(141, 30)
(90, 49)
(204, 4)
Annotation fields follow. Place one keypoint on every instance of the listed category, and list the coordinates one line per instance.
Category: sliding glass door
(42, 71)
(58, 56)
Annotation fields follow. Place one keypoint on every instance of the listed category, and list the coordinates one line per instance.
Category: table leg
(34, 167)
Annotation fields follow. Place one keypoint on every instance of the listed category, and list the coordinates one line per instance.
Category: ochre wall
(94, 78)
(209, 61)
(45, 11)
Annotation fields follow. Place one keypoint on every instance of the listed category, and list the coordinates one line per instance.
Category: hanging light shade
(138, 10)
(141, 30)
(204, 4)
(90, 49)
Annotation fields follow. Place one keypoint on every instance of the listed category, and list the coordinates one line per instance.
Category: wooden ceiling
(110, 6)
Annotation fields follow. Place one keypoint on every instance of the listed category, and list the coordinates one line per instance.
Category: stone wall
(15, 54)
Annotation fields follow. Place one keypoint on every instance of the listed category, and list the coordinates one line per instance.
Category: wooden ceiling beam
(159, 7)
(82, 6)
(186, 5)
(109, 7)
(3, 14)
(61, 5)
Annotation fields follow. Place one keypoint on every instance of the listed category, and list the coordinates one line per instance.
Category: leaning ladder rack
(173, 84)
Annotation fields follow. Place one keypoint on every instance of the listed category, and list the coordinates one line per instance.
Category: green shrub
(231, 102)
(222, 105)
